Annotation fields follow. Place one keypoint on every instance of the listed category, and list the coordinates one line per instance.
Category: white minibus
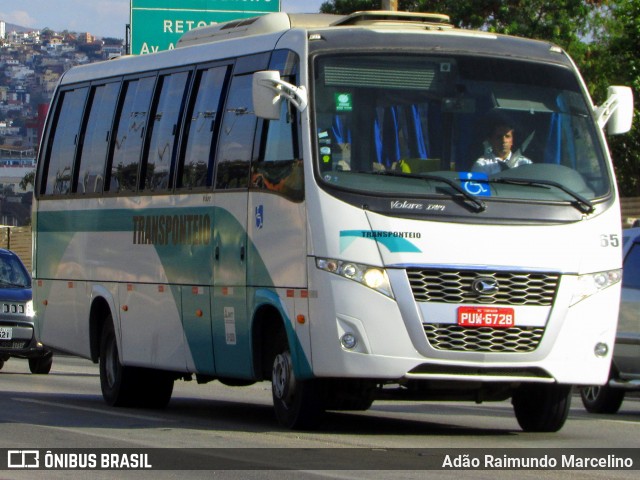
(355, 208)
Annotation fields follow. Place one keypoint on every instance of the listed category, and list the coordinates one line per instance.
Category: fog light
(348, 341)
(601, 350)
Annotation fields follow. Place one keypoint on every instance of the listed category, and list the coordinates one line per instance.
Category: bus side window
(280, 168)
(200, 127)
(130, 135)
(64, 142)
(91, 161)
(236, 136)
(164, 126)
(279, 141)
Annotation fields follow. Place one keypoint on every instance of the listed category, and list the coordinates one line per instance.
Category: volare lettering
(396, 204)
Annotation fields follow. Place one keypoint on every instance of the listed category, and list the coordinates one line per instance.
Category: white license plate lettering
(6, 333)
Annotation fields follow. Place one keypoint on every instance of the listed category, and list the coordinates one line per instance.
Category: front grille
(452, 337)
(455, 286)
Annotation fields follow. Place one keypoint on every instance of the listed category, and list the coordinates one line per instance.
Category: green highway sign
(158, 24)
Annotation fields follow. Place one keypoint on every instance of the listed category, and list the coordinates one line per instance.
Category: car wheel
(3, 359)
(601, 399)
(541, 407)
(41, 365)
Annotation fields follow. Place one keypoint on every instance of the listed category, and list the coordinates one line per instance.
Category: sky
(102, 18)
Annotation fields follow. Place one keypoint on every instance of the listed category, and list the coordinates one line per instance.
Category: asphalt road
(65, 410)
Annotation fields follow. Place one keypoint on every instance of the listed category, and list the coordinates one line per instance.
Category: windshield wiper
(479, 205)
(582, 204)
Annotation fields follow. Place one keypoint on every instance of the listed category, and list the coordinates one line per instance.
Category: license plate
(6, 333)
(495, 317)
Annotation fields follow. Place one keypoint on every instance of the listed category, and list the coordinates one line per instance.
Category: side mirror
(617, 112)
(268, 90)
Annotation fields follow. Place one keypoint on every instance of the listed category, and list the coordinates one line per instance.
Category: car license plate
(496, 317)
(6, 333)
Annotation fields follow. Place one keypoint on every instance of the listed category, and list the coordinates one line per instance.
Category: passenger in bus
(499, 155)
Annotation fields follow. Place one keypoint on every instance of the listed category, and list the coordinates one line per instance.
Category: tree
(564, 22)
(28, 179)
(613, 60)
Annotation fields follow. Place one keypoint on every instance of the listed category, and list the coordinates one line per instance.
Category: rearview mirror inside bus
(268, 90)
(617, 112)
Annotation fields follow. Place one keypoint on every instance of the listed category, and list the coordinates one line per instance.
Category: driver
(499, 156)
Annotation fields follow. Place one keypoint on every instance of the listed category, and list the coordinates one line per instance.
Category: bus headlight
(373, 277)
(592, 283)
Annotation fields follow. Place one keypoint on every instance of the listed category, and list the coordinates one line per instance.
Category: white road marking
(92, 410)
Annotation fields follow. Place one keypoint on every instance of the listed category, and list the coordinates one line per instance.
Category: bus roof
(278, 22)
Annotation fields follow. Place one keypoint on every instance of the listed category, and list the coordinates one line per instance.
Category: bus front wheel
(541, 407)
(297, 403)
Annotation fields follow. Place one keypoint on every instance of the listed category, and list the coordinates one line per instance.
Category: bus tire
(601, 399)
(297, 404)
(41, 365)
(124, 386)
(349, 395)
(541, 407)
(116, 381)
(156, 388)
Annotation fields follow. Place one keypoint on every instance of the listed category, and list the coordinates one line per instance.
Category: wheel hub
(283, 379)
(592, 393)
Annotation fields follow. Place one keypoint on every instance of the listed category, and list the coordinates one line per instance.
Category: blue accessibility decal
(475, 183)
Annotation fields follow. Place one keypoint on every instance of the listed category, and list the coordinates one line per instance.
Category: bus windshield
(402, 125)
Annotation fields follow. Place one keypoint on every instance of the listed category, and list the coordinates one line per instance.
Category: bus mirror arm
(617, 112)
(268, 90)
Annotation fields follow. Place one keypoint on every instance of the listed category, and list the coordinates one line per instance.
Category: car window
(12, 272)
(631, 272)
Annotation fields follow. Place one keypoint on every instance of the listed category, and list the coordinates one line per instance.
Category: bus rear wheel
(541, 407)
(297, 403)
(124, 386)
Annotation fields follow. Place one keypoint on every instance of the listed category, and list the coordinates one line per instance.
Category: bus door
(277, 224)
(231, 336)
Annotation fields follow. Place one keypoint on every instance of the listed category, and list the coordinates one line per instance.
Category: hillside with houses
(31, 63)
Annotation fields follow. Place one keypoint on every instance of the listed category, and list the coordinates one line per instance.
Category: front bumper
(23, 343)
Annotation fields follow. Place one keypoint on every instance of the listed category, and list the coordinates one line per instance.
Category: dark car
(17, 337)
(625, 366)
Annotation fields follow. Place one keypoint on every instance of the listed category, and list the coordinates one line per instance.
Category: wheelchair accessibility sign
(475, 183)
